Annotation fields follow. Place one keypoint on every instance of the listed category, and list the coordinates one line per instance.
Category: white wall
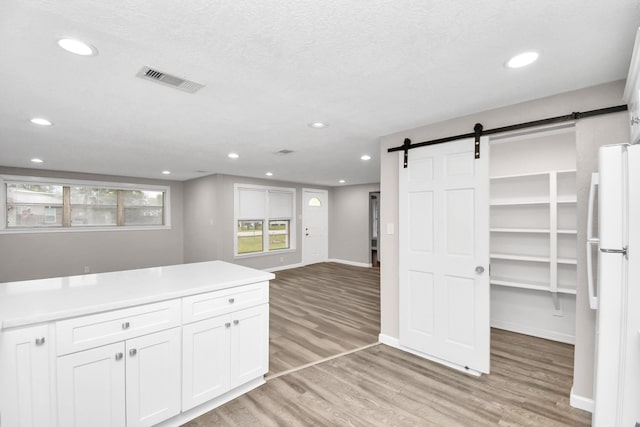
(51, 254)
(610, 129)
(349, 223)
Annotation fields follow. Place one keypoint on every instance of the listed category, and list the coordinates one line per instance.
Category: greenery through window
(53, 205)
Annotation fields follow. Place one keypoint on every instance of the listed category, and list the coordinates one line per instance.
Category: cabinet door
(91, 389)
(24, 377)
(205, 360)
(249, 344)
(153, 378)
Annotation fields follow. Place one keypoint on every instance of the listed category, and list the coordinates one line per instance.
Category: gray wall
(51, 254)
(589, 133)
(209, 223)
(349, 223)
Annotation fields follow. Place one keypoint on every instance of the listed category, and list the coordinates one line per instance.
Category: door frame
(304, 259)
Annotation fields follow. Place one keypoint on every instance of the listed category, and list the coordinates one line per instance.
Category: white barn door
(444, 254)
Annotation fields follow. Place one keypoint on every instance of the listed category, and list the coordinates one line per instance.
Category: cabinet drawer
(204, 306)
(105, 328)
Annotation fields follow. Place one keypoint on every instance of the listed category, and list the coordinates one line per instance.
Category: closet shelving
(533, 231)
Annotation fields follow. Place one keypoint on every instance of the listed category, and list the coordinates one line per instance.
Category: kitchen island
(154, 346)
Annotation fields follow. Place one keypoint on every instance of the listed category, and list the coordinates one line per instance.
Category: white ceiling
(366, 67)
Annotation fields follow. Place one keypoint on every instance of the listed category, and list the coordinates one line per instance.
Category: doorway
(374, 228)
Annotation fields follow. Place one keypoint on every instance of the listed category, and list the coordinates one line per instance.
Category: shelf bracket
(556, 302)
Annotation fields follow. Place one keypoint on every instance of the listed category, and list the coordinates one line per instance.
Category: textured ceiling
(368, 68)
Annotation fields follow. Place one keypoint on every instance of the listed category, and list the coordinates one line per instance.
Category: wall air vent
(149, 73)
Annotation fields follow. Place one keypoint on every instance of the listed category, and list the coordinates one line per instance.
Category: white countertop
(35, 301)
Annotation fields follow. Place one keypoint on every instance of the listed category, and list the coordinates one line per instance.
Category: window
(37, 203)
(257, 208)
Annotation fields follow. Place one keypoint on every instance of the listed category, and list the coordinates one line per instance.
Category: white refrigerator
(613, 240)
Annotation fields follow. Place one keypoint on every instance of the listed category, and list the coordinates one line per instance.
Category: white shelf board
(567, 231)
(509, 283)
(567, 200)
(516, 202)
(520, 258)
(521, 230)
(532, 174)
(567, 261)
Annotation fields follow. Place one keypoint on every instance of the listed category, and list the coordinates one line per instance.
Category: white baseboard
(581, 402)
(395, 343)
(389, 340)
(528, 330)
(353, 263)
(283, 267)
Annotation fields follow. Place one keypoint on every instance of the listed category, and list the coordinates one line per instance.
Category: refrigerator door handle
(593, 299)
(623, 251)
(595, 182)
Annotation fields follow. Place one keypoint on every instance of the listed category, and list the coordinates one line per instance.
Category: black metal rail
(480, 131)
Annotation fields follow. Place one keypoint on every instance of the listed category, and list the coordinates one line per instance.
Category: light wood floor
(319, 311)
(529, 383)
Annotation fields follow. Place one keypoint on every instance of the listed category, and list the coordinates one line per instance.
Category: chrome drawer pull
(133, 352)
(227, 325)
(39, 341)
(235, 322)
(125, 325)
(119, 356)
(232, 300)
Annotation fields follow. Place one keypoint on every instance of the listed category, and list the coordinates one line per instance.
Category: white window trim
(25, 179)
(265, 227)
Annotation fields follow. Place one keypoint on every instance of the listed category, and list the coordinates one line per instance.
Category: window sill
(82, 229)
(260, 254)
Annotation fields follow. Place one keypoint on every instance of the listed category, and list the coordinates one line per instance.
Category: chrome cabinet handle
(235, 322)
(232, 300)
(635, 120)
(119, 356)
(40, 341)
(133, 352)
(125, 325)
(479, 269)
(227, 325)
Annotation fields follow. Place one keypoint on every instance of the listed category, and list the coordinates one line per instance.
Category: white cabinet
(533, 231)
(133, 383)
(25, 397)
(224, 352)
(91, 387)
(249, 344)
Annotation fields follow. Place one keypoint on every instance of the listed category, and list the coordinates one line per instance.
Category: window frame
(237, 187)
(31, 180)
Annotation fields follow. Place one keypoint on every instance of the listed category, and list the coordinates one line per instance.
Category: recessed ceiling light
(269, 173)
(365, 157)
(40, 121)
(342, 181)
(36, 160)
(166, 172)
(522, 60)
(318, 125)
(233, 155)
(78, 47)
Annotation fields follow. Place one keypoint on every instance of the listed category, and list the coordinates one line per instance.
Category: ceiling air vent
(148, 73)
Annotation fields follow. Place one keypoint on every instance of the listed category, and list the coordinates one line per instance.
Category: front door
(444, 254)
(315, 226)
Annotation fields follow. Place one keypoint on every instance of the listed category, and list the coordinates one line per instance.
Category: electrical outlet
(86, 269)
